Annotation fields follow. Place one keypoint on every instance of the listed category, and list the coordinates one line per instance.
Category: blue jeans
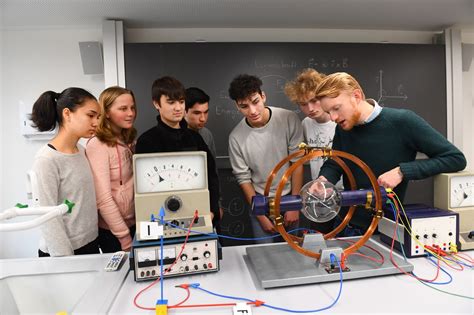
(259, 232)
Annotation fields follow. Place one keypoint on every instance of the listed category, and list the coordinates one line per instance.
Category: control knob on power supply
(184, 257)
(207, 254)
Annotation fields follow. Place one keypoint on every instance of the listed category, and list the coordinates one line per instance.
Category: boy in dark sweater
(386, 139)
(171, 134)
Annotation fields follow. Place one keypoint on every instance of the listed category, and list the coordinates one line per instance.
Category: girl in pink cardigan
(110, 157)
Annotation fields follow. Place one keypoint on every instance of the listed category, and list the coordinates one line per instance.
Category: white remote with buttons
(115, 261)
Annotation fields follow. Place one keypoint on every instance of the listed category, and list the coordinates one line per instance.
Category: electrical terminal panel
(200, 255)
(430, 228)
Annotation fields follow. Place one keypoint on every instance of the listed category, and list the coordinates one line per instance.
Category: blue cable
(333, 261)
(398, 234)
(162, 215)
(222, 295)
(235, 238)
(447, 273)
(461, 263)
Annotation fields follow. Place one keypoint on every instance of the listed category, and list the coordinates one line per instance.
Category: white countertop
(47, 285)
(78, 284)
(396, 294)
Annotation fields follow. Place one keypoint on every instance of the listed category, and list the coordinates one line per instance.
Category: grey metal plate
(278, 265)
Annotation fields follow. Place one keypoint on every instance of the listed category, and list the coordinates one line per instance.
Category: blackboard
(408, 76)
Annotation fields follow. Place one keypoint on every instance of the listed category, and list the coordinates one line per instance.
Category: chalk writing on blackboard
(383, 93)
(335, 63)
(274, 83)
(282, 64)
(224, 95)
(228, 110)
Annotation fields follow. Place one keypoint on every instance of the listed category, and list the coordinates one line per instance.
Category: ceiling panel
(416, 15)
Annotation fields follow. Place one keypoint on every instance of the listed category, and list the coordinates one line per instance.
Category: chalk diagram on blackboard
(235, 228)
(383, 93)
(235, 208)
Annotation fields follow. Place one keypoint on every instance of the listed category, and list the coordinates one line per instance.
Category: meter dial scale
(170, 173)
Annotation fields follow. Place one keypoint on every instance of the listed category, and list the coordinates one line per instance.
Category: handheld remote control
(115, 261)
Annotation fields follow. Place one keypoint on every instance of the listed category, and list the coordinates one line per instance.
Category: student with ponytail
(64, 173)
(110, 156)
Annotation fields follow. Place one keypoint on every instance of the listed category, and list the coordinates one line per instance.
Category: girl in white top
(63, 171)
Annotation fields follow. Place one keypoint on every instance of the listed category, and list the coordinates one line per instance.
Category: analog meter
(455, 191)
(178, 182)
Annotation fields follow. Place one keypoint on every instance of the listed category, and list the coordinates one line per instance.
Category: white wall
(33, 61)
(467, 37)
(468, 129)
(1, 113)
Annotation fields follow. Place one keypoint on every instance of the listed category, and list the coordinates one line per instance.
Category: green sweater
(392, 139)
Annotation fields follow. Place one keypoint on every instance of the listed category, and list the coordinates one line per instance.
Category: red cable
(186, 287)
(456, 269)
(381, 261)
(391, 252)
(368, 257)
(443, 253)
(468, 259)
(166, 270)
(139, 293)
(343, 261)
(461, 268)
(184, 244)
(188, 294)
(203, 305)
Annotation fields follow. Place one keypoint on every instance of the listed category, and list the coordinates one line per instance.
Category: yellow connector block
(453, 248)
(161, 310)
(161, 307)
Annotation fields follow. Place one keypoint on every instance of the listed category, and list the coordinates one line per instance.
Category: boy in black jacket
(171, 133)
